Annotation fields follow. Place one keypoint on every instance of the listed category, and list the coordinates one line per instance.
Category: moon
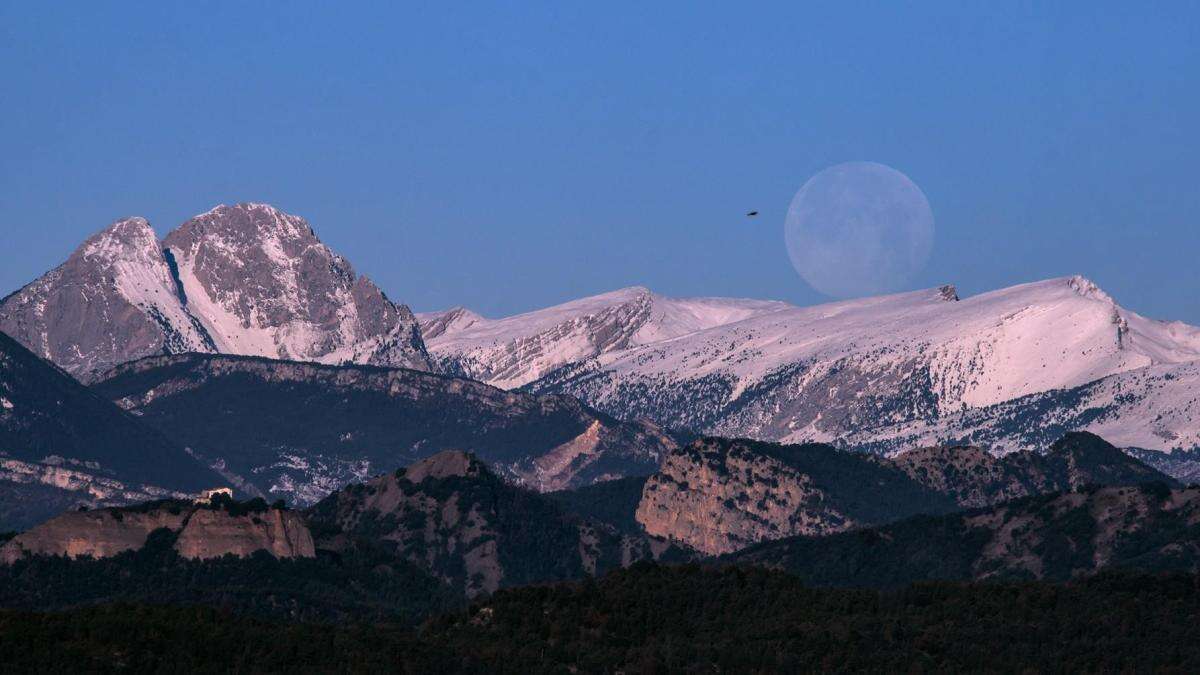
(859, 228)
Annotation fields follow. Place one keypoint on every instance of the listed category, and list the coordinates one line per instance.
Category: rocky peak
(445, 465)
(454, 320)
(247, 226)
(453, 516)
(113, 300)
(948, 293)
(122, 239)
(264, 285)
(1088, 289)
(245, 279)
(1081, 459)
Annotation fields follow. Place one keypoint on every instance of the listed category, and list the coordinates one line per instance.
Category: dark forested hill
(654, 619)
(355, 585)
(61, 444)
(1052, 537)
(302, 430)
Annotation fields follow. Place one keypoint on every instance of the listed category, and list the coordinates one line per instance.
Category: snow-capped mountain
(245, 279)
(517, 350)
(885, 372)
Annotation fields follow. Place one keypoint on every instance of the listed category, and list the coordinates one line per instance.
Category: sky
(510, 156)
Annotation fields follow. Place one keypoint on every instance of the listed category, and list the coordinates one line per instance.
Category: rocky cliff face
(262, 284)
(113, 300)
(451, 515)
(100, 533)
(212, 533)
(202, 532)
(1054, 537)
(300, 431)
(243, 279)
(720, 495)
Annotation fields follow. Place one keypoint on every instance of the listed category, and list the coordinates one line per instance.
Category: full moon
(859, 228)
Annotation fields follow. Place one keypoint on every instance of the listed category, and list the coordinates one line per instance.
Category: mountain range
(1010, 370)
(835, 518)
(243, 351)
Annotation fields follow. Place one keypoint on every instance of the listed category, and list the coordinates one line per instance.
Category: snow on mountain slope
(1157, 407)
(244, 279)
(263, 285)
(846, 368)
(514, 351)
(451, 321)
(113, 300)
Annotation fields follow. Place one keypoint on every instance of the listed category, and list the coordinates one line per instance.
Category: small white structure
(206, 496)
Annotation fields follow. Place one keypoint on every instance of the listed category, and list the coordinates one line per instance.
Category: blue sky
(507, 157)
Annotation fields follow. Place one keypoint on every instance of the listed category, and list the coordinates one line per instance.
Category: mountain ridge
(301, 430)
(874, 372)
(246, 279)
(62, 444)
(514, 351)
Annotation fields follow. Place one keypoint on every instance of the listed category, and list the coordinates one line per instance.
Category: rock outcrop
(212, 533)
(100, 533)
(202, 531)
(719, 495)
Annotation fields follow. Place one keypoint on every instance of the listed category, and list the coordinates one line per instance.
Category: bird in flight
(752, 213)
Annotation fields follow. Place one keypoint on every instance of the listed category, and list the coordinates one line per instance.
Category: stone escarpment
(719, 495)
(201, 532)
